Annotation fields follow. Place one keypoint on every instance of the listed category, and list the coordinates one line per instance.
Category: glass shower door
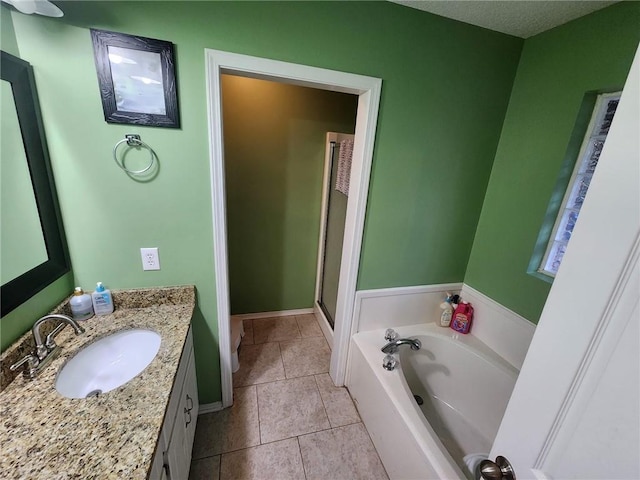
(335, 216)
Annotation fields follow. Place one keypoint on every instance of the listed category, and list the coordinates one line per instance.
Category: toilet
(237, 332)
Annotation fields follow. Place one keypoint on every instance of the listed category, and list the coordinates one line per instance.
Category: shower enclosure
(334, 211)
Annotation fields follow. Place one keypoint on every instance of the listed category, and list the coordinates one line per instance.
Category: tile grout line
(304, 470)
(284, 369)
(279, 380)
(253, 342)
(261, 445)
(324, 405)
(258, 409)
(295, 317)
(267, 381)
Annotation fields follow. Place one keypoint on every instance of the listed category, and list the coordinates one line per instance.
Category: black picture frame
(149, 98)
(19, 74)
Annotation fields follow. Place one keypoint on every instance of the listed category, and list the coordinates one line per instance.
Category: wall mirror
(33, 250)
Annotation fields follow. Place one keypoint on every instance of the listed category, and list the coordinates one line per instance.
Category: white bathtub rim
(396, 387)
(468, 342)
(398, 391)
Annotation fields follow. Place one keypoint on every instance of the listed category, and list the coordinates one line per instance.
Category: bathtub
(464, 387)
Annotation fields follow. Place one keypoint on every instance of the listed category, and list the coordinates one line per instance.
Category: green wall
(446, 86)
(274, 145)
(556, 69)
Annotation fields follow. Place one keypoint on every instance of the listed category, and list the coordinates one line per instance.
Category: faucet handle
(390, 335)
(50, 341)
(389, 363)
(32, 363)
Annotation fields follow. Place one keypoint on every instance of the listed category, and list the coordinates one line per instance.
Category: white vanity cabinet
(173, 453)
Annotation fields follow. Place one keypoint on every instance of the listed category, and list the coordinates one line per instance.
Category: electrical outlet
(150, 258)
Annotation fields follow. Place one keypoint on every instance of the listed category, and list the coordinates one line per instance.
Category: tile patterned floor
(288, 420)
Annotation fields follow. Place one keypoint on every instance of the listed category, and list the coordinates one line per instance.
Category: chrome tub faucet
(392, 347)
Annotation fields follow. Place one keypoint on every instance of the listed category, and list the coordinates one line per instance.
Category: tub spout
(392, 347)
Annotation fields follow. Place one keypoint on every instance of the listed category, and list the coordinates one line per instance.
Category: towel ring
(133, 141)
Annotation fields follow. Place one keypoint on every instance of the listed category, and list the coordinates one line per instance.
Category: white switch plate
(150, 258)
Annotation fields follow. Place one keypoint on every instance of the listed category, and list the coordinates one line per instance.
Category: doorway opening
(274, 145)
(368, 91)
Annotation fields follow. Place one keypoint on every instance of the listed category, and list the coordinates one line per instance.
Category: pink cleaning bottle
(462, 317)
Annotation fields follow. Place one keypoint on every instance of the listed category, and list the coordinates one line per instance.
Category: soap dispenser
(102, 300)
(81, 305)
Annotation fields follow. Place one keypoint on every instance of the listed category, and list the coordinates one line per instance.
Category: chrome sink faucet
(392, 347)
(43, 349)
(47, 351)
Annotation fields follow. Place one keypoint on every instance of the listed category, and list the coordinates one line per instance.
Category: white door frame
(368, 90)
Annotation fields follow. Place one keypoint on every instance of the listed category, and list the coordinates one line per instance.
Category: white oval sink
(108, 363)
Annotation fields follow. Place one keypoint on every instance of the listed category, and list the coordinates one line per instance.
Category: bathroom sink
(108, 363)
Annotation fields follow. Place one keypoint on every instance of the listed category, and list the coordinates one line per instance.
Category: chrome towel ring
(133, 141)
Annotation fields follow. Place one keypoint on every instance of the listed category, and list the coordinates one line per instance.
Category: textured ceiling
(521, 18)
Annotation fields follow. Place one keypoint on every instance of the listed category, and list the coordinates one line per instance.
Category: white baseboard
(209, 408)
(501, 329)
(280, 313)
(400, 306)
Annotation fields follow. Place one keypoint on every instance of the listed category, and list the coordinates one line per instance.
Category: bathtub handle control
(390, 335)
(389, 363)
(501, 469)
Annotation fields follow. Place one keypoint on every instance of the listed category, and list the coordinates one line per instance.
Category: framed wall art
(137, 79)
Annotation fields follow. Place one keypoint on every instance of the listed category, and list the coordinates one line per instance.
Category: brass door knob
(501, 469)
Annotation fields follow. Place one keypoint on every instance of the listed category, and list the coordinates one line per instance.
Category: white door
(574, 412)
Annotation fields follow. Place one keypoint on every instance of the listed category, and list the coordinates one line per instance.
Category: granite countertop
(45, 435)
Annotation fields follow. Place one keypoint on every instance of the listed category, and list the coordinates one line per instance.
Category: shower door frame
(368, 90)
(336, 138)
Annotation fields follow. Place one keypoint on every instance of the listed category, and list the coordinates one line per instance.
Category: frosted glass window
(587, 161)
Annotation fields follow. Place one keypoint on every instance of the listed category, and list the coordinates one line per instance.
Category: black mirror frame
(20, 74)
